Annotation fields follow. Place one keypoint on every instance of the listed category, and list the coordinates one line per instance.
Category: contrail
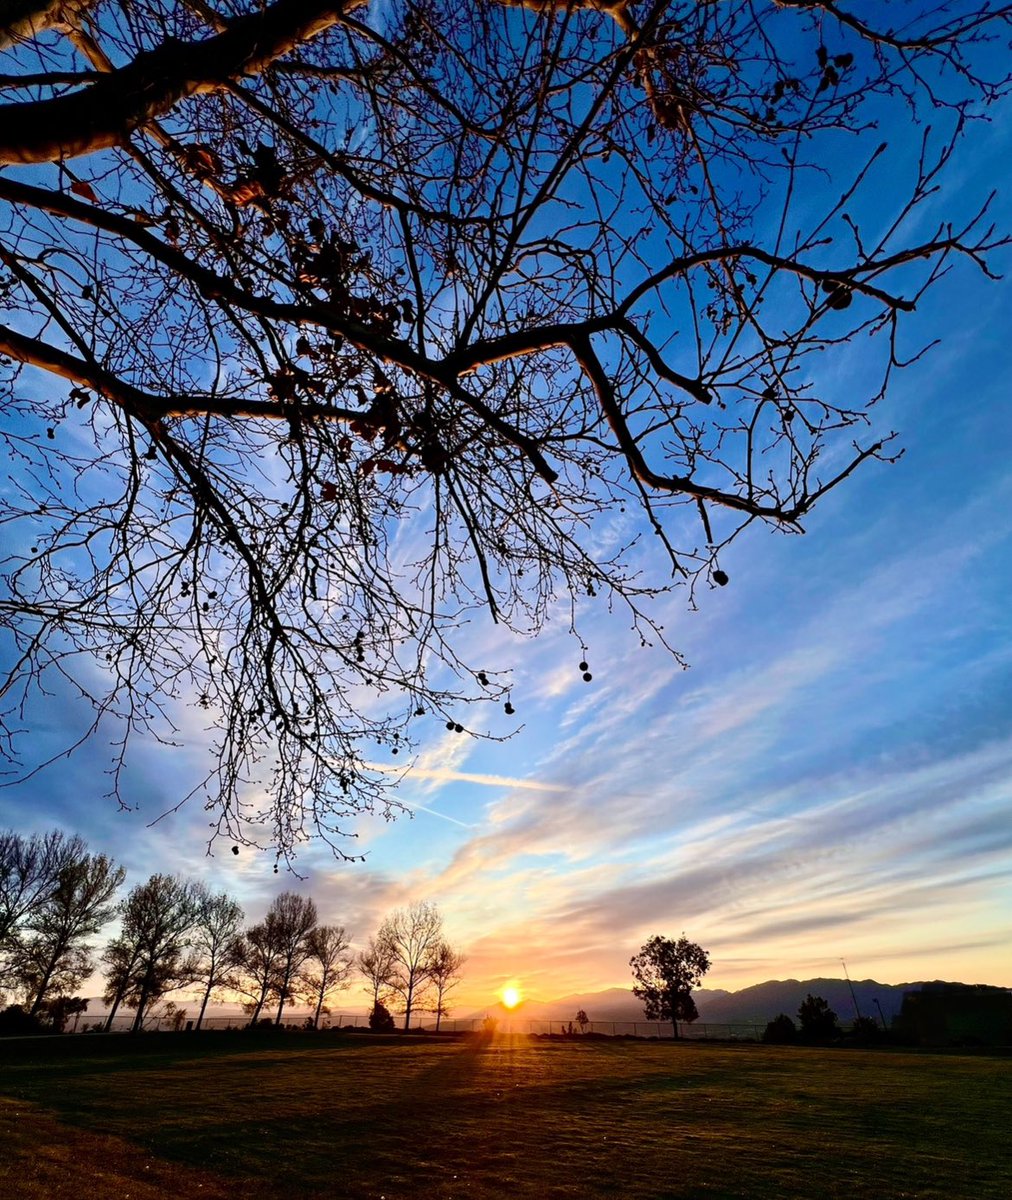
(432, 813)
(447, 776)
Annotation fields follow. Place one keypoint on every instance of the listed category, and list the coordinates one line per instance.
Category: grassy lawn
(300, 1115)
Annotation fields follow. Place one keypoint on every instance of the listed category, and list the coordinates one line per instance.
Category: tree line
(56, 896)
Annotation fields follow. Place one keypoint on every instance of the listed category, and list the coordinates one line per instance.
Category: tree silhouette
(411, 938)
(58, 1010)
(30, 871)
(817, 1020)
(376, 965)
(380, 1020)
(148, 958)
(780, 1030)
(666, 971)
(328, 966)
(294, 919)
(321, 331)
(215, 940)
(54, 957)
(444, 968)
(258, 957)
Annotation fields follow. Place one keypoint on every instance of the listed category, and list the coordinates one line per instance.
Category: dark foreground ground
(300, 1115)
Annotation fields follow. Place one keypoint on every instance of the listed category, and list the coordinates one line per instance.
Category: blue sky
(832, 777)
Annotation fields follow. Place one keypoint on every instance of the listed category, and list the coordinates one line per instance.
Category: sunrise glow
(510, 996)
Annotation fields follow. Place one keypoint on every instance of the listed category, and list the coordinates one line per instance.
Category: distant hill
(763, 1001)
(750, 1006)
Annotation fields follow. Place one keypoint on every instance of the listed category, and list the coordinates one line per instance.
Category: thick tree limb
(24, 19)
(108, 111)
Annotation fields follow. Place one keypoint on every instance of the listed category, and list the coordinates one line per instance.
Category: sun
(510, 996)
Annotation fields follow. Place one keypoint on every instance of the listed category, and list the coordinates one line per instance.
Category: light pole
(851, 986)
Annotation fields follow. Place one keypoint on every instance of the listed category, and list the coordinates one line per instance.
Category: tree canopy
(666, 970)
(325, 327)
(817, 1019)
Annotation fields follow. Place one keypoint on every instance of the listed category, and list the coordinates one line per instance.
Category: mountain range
(750, 1006)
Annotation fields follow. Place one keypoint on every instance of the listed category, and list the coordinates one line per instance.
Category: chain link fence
(181, 1021)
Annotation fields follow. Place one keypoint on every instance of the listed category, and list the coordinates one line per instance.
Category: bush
(262, 1026)
(818, 1021)
(866, 1029)
(15, 1022)
(380, 1020)
(780, 1031)
(57, 1011)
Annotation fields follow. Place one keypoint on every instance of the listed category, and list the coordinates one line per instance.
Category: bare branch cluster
(322, 332)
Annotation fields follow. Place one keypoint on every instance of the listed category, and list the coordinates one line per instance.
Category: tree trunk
(319, 1005)
(139, 1018)
(40, 994)
(112, 1013)
(203, 1006)
(142, 1003)
(257, 1010)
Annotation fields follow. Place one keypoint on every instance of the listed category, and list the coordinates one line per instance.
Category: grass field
(299, 1115)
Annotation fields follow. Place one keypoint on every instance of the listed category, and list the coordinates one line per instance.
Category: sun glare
(510, 996)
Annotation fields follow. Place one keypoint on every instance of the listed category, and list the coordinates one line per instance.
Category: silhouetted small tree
(818, 1021)
(327, 968)
(57, 1011)
(380, 1020)
(258, 956)
(666, 971)
(780, 1030)
(445, 966)
(866, 1029)
(376, 964)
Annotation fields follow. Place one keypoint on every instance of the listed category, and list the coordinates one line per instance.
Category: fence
(698, 1030)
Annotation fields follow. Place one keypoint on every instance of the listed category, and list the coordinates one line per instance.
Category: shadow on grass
(335, 1115)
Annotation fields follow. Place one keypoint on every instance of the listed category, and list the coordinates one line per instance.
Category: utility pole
(851, 986)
